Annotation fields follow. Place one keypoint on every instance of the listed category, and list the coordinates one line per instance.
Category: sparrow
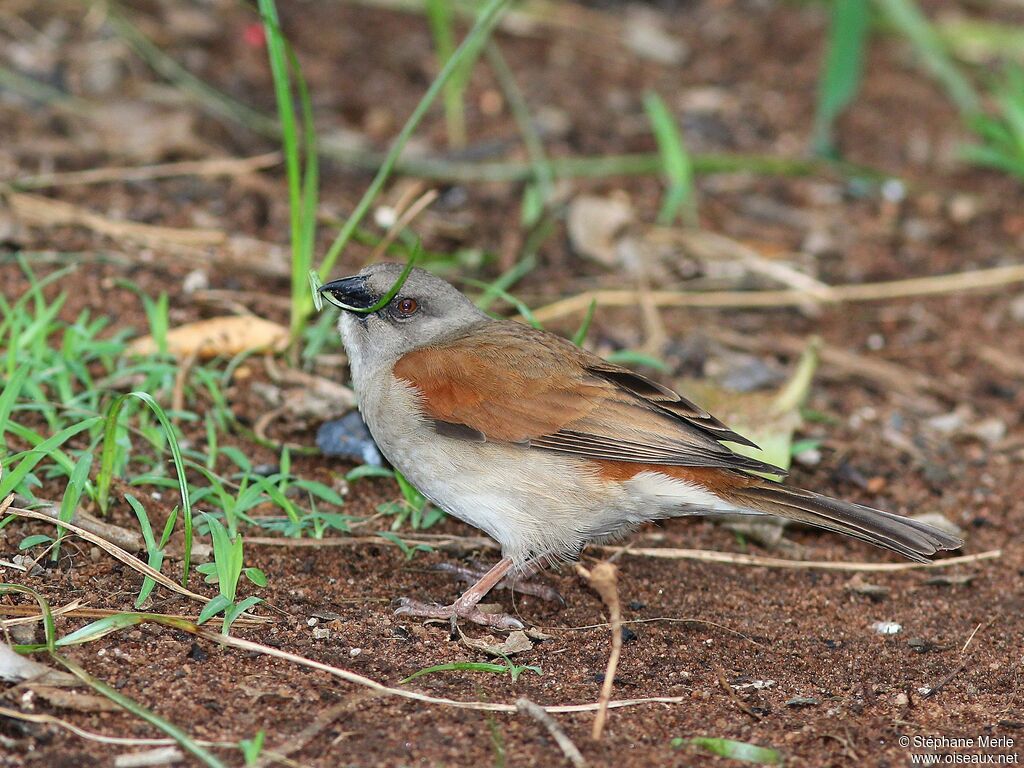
(545, 446)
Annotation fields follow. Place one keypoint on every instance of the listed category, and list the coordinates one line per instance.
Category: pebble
(886, 627)
(349, 438)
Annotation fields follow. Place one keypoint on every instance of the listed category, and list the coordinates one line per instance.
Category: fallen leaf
(596, 224)
(224, 336)
(15, 668)
(516, 642)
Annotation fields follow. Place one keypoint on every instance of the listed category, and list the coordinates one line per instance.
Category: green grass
(842, 69)
(508, 668)
(1001, 134)
(680, 198)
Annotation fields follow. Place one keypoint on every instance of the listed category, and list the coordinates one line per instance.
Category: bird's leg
(516, 582)
(466, 606)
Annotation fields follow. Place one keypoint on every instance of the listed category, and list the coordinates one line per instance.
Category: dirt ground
(810, 675)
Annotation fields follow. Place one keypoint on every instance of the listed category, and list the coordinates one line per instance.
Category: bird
(545, 446)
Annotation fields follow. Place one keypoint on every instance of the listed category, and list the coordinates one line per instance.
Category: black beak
(349, 292)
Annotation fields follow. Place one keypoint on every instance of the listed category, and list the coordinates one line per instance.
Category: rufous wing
(506, 382)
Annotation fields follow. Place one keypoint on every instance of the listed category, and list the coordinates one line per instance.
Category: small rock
(803, 701)
(861, 587)
(808, 458)
(353, 652)
(962, 208)
(901, 700)
(886, 627)
(349, 438)
(645, 35)
(1017, 309)
(920, 645)
(321, 633)
(628, 636)
(196, 280)
(196, 653)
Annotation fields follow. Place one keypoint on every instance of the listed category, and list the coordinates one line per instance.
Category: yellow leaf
(224, 336)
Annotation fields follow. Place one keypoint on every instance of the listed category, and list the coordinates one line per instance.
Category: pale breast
(531, 502)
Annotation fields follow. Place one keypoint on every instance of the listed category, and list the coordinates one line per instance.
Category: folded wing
(508, 383)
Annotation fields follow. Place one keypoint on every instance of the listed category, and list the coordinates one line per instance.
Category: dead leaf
(15, 668)
(225, 336)
(79, 702)
(861, 587)
(516, 642)
(596, 224)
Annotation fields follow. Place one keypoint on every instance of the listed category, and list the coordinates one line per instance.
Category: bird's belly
(531, 502)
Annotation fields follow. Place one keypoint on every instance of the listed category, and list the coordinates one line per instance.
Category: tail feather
(907, 537)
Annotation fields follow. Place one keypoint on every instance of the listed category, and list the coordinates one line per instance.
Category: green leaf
(632, 357)
(256, 576)
(28, 459)
(676, 163)
(581, 334)
(109, 453)
(368, 470)
(844, 63)
(235, 611)
(34, 540)
(736, 750)
(212, 608)
(72, 495)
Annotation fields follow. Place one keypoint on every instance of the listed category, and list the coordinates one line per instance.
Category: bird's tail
(907, 537)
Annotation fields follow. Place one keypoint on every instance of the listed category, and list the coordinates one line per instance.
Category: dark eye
(406, 307)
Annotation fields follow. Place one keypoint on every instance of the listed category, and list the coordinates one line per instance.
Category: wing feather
(505, 382)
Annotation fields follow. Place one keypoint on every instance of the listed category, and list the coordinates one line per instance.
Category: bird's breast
(532, 502)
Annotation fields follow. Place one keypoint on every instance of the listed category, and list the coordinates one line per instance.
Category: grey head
(427, 310)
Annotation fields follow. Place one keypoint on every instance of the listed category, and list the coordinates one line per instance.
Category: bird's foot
(514, 583)
(455, 611)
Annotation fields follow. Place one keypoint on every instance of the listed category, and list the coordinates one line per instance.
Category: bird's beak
(349, 292)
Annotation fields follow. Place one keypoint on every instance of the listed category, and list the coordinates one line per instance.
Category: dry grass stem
(405, 218)
(603, 579)
(570, 750)
(958, 282)
(220, 166)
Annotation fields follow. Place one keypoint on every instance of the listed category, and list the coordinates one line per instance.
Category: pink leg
(517, 582)
(466, 606)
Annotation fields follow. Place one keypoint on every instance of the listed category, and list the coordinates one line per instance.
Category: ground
(811, 676)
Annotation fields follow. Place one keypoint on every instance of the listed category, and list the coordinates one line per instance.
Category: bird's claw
(408, 607)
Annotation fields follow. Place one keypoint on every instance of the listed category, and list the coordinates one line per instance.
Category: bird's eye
(406, 307)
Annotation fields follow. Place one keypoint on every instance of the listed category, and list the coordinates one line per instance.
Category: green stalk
(464, 55)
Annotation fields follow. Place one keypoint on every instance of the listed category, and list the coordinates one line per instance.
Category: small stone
(645, 35)
(349, 438)
(196, 280)
(962, 208)
(321, 633)
(901, 700)
(628, 636)
(886, 627)
(353, 652)
(196, 653)
(803, 701)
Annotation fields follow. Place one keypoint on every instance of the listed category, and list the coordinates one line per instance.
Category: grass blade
(677, 166)
(906, 16)
(844, 64)
(464, 55)
(109, 454)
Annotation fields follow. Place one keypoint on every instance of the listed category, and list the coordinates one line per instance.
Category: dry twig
(537, 712)
(958, 282)
(603, 579)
